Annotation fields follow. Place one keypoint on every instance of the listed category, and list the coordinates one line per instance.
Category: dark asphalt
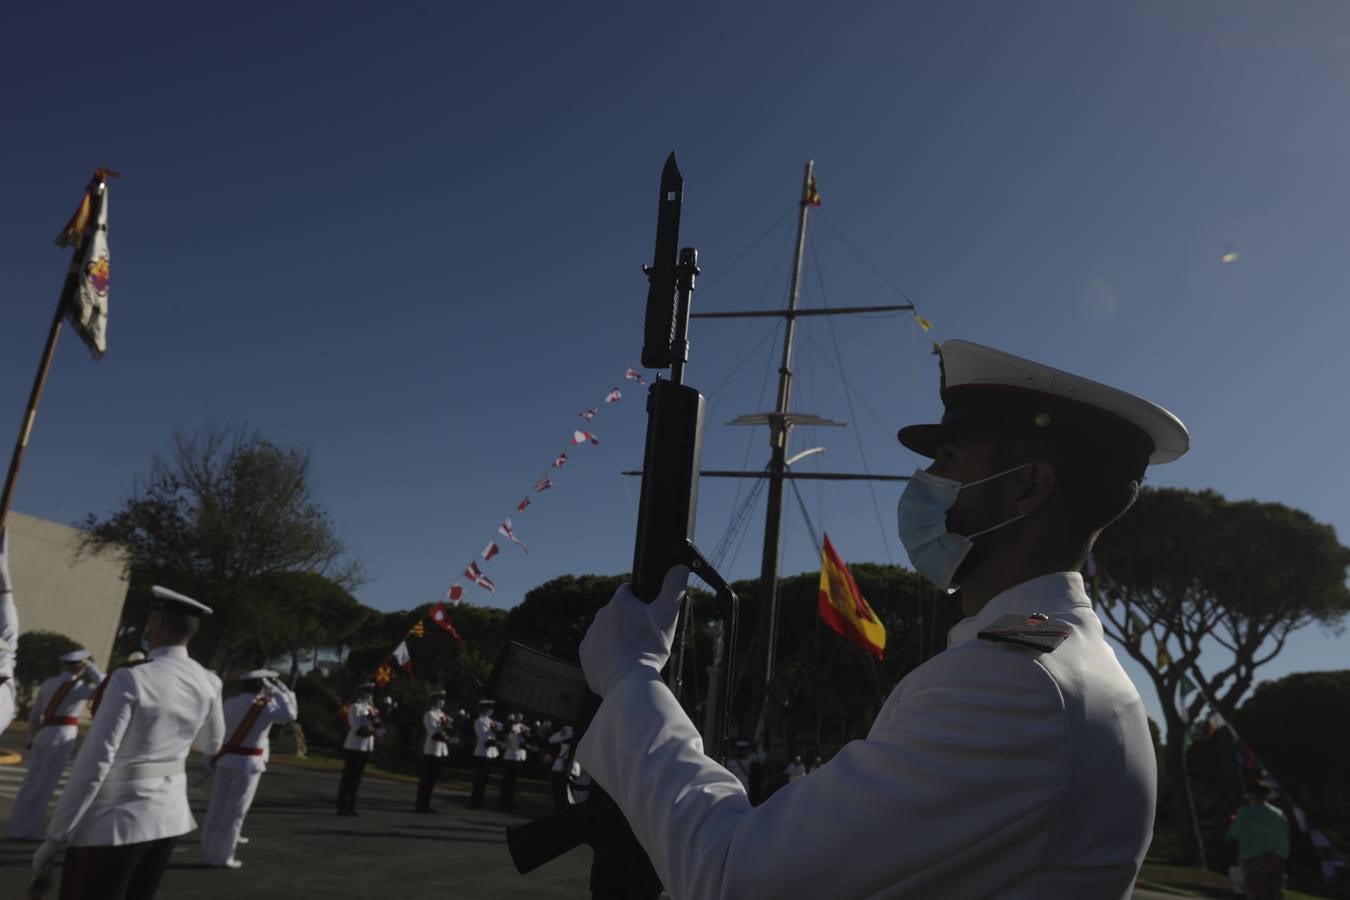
(300, 848)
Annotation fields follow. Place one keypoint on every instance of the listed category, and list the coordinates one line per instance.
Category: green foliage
(290, 615)
(1186, 571)
(828, 690)
(1300, 727)
(218, 517)
(554, 617)
(39, 655)
(1194, 566)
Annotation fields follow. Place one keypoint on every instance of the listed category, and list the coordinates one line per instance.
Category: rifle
(666, 513)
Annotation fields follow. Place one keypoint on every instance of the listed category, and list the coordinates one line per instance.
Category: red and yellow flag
(383, 675)
(812, 195)
(843, 607)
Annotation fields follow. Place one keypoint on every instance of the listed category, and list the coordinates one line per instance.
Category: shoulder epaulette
(1035, 631)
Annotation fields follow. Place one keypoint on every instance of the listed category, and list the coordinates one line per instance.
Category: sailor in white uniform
(53, 727)
(485, 750)
(435, 748)
(126, 801)
(261, 702)
(9, 635)
(795, 770)
(513, 757)
(1015, 764)
(363, 726)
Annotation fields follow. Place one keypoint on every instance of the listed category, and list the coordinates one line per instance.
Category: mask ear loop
(971, 537)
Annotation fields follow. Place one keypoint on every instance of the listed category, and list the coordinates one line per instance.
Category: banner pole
(39, 382)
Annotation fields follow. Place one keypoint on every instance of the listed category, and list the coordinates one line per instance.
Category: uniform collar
(1057, 592)
(170, 651)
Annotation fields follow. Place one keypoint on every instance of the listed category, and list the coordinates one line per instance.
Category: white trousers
(231, 796)
(45, 766)
(6, 704)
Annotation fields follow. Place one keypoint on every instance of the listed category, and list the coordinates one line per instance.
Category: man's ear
(1038, 483)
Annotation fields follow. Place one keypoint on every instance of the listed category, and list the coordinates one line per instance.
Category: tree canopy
(217, 516)
(1184, 571)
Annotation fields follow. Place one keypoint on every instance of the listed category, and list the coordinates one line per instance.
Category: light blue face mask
(935, 552)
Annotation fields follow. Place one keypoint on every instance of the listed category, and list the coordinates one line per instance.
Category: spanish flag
(842, 605)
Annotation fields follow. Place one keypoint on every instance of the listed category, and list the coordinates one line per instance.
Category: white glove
(628, 633)
(45, 857)
(6, 586)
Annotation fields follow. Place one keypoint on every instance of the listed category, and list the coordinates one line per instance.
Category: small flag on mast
(812, 195)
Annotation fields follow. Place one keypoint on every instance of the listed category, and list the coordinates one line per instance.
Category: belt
(59, 720)
(146, 771)
(242, 751)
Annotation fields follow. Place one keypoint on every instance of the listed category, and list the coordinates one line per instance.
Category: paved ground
(299, 848)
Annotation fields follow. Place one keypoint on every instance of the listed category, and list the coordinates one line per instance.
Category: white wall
(57, 588)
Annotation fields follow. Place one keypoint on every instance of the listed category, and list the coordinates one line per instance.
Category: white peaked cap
(987, 389)
(167, 599)
(75, 656)
(256, 674)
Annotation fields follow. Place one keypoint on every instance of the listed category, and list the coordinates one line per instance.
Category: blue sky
(409, 239)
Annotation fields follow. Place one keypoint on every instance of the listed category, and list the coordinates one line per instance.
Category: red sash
(49, 716)
(233, 745)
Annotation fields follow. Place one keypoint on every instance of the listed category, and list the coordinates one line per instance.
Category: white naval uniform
(515, 743)
(484, 728)
(435, 721)
(52, 747)
(128, 784)
(237, 774)
(993, 770)
(9, 648)
(361, 716)
(794, 771)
